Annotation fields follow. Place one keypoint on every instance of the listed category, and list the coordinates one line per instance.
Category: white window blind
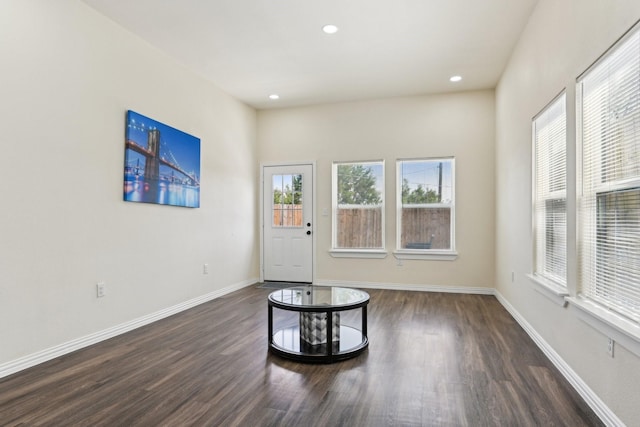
(550, 195)
(609, 130)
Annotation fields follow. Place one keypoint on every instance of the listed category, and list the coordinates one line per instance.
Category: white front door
(287, 216)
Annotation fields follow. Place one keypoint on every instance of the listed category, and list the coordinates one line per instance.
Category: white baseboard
(597, 405)
(17, 365)
(408, 287)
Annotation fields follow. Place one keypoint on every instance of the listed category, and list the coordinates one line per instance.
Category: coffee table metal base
(326, 337)
(287, 343)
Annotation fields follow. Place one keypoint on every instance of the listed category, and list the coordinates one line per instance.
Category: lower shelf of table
(287, 343)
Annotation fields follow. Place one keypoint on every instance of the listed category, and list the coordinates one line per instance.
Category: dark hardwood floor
(434, 359)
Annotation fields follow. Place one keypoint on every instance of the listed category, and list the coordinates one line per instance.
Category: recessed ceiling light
(274, 96)
(330, 29)
(455, 79)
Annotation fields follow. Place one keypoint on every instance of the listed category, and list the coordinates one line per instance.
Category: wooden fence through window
(424, 225)
(362, 227)
(287, 216)
(359, 227)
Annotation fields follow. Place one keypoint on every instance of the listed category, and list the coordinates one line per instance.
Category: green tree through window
(357, 185)
(418, 196)
(289, 196)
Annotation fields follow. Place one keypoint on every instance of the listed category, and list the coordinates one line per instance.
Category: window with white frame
(425, 205)
(608, 117)
(550, 192)
(358, 205)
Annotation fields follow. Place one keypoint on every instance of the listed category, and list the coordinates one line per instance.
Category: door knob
(308, 224)
(308, 233)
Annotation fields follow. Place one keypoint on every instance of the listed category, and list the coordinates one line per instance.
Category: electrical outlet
(610, 346)
(205, 268)
(101, 289)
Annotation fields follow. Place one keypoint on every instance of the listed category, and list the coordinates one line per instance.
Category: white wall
(561, 40)
(460, 125)
(67, 77)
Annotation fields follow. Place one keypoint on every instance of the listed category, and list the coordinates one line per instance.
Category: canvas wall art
(162, 164)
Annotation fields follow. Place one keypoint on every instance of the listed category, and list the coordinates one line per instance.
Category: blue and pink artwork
(162, 164)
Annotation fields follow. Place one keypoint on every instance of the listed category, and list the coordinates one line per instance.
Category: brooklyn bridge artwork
(162, 164)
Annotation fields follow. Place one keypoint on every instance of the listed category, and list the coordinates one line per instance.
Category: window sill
(618, 328)
(358, 253)
(426, 255)
(554, 292)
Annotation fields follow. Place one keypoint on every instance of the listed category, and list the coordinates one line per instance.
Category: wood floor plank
(434, 359)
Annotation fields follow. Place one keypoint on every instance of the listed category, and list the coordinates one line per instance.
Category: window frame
(601, 314)
(555, 283)
(340, 252)
(425, 254)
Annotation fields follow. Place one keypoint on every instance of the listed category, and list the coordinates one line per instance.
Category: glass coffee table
(312, 323)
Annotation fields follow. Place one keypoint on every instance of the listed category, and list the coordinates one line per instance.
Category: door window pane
(287, 200)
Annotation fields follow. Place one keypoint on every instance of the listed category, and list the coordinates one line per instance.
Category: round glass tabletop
(318, 296)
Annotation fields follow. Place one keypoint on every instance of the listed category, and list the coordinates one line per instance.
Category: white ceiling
(384, 48)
